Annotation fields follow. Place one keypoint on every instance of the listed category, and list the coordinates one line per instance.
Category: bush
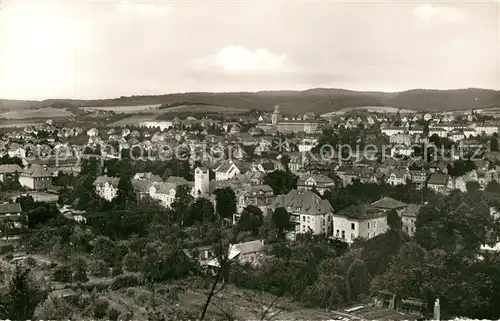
(98, 268)
(31, 262)
(100, 308)
(91, 287)
(117, 270)
(9, 256)
(113, 314)
(132, 262)
(125, 281)
(62, 274)
(6, 248)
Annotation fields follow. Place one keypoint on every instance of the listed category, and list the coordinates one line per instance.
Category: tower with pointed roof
(275, 118)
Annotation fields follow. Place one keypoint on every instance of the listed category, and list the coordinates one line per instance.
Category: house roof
(361, 212)
(264, 188)
(388, 203)
(100, 180)
(224, 167)
(62, 293)
(10, 168)
(36, 170)
(164, 188)
(177, 180)
(249, 247)
(140, 185)
(303, 202)
(318, 178)
(438, 179)
(10, 208)
(412, 210)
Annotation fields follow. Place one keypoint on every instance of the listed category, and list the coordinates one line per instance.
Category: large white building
(36, 177)
(359, 221)
(308, 212)
(156, 124)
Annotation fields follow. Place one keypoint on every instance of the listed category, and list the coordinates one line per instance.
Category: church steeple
(276, 115)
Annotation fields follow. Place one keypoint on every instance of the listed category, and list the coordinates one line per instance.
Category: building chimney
(437, 310)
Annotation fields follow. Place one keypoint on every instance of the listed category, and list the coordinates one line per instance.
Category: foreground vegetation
(131, 253)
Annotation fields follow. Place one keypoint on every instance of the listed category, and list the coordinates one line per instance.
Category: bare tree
(267, 310)
(223, 265)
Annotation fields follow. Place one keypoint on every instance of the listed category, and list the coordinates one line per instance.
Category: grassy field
(171, 112)
(132, 120)
(203, 109)
(124, 109)
(19, 123)
(45, 112)
(372, 109)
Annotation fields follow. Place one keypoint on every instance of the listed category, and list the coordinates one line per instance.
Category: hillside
(318, 100)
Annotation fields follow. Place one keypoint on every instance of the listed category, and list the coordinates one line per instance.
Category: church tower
(275, 118)
(202, 181)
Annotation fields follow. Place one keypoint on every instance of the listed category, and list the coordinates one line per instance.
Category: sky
(106, 49)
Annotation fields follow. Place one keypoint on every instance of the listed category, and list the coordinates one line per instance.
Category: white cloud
(238, 58)
(428, 12)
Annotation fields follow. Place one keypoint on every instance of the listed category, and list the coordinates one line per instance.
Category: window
(352, 236)
(303, 218)
(337, 232)
(343, 235)
(368, 224)
(353, 226)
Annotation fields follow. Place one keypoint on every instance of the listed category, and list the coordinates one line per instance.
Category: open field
(45, 112)
(372, 109)
(132, 120)
(165, 113)
(318, 100)
(19, 123)
(124, 109)
(203, 109)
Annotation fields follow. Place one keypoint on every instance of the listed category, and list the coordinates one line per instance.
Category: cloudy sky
(105, 49)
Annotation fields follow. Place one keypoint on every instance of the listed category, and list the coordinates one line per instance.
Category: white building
(155, 124)
(226, 170)
(203, 182)
(106, 187)
(36, 177)
(359, 221)
(441, 132)
(308, 212)
(92, 132)
(319, 182)
(390, 131)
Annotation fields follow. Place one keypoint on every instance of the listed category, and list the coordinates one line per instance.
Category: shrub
(62, 274)
(100, 308)
(124, 281)
(9, 256)
(113, 314)
(30, 261)
(6, 248)
(132, 262)
(117, 270)
(98, 268)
